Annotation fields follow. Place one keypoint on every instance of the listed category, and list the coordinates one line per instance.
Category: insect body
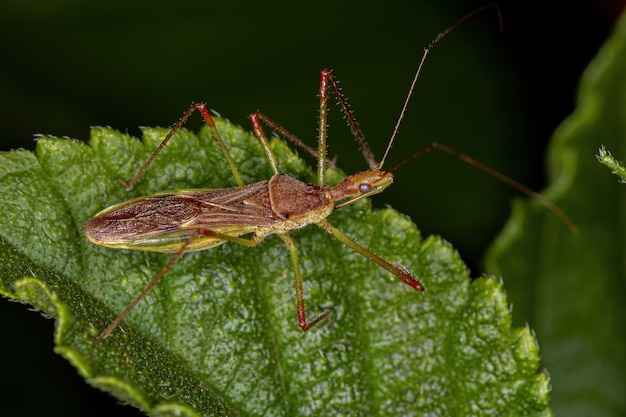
(164, 222)
(192, 220)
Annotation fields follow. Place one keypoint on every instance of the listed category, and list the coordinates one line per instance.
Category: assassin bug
(191, 220)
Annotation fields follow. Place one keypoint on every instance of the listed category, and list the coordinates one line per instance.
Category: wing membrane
(161, 222)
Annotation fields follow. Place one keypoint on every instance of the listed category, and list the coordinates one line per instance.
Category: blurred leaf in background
(572, 290)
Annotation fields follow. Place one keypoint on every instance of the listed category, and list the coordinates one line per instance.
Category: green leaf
(218, 336)
(572, 289)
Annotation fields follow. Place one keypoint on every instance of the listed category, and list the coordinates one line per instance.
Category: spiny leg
(106, 332)
(327, 77)
(322, 129)
(398, 270)
(257, 117)
(198, 234)
(201, 107)
(304, 325)
(260, 134)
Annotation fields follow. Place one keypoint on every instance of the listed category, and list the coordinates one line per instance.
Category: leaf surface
(218, 336)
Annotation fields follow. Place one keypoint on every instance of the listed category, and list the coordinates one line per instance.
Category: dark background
(67, 65)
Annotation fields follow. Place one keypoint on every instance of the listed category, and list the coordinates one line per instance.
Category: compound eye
(364, 188)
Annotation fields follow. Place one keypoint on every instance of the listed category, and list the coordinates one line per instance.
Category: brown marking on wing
(165, 213)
